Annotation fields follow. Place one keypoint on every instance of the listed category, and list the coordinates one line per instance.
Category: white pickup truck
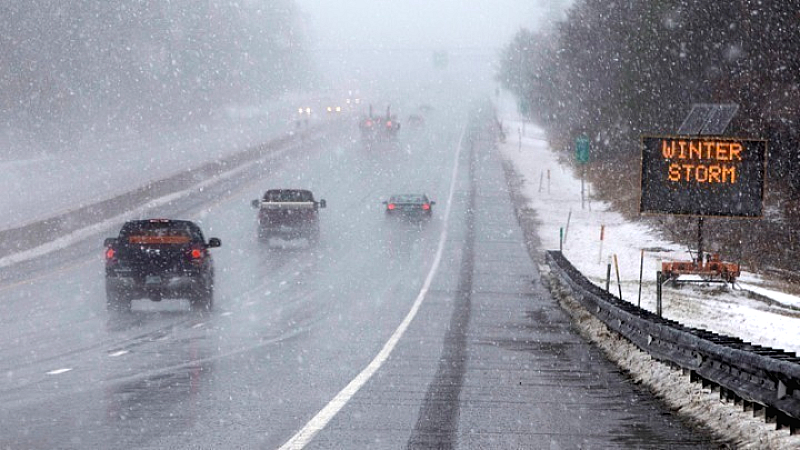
(288, 214)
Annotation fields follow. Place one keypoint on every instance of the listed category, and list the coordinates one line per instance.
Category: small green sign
(440, 59)
(582, 149)
(523, 107)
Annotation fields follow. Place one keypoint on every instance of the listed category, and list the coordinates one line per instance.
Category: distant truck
(377, 129)
(288, 214)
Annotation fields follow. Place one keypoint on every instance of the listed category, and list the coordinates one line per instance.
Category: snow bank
(688, 399)
(759, 315)
(554, 192)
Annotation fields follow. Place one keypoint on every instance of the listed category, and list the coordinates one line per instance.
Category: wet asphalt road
(489, 360)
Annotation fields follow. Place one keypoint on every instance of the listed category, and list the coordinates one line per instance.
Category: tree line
(617, 70)
(72, 64)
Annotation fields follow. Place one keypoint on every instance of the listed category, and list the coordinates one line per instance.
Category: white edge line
(322, 418)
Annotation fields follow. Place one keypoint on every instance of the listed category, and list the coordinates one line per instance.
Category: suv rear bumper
(187, 285)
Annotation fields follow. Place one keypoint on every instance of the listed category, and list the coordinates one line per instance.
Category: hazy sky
(424, 24)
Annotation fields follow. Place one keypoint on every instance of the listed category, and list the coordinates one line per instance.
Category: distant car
(409, 205)
(159, 258)
(416, 121)
(289, 214)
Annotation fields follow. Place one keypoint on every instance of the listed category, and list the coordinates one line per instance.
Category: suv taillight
(196, 254)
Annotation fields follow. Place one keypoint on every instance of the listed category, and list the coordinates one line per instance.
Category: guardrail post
(758, 410)
(781, 422)
(770, 415)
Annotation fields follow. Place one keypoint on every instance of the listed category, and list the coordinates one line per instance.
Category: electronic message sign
(703, 176)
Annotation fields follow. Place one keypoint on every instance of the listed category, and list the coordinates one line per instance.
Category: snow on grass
(102, 167)
(689, 399)
(136, 213)
(753, 313)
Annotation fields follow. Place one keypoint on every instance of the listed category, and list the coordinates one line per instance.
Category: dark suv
(159, 258)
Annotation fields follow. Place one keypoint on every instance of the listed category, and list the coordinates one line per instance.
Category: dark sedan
(409, 205)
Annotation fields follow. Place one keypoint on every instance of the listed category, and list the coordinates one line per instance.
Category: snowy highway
(506, 129)
(486, 360)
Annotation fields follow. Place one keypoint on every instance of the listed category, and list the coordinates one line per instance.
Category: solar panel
(693, 122)
(708, 119)
(719, 119)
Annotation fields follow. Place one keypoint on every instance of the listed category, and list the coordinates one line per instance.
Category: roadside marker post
(602, 234)
(641, 274)
(582, 148)
(619, 283)
(659, 282)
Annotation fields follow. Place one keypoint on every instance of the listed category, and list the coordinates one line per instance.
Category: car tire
(313, 236)
(117, 301)
(203, 299)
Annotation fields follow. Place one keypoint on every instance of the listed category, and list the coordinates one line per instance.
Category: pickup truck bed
(288, 214)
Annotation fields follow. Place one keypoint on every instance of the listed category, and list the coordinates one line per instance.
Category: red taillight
(110, 254)
(390, 206)
(426, 206)
(369, 123)
(389, 124)
(196, 254)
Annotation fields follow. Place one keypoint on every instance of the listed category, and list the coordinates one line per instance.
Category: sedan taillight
(390, 206)
(426, 206)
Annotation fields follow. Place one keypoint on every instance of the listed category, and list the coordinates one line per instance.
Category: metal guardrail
(25, 237)
(764, 380)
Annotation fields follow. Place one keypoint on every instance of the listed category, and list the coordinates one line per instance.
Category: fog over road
(489, 360)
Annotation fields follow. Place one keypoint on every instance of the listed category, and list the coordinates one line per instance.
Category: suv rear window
(409, 198)
(160, 232)
(149, 238)
(288, 196)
